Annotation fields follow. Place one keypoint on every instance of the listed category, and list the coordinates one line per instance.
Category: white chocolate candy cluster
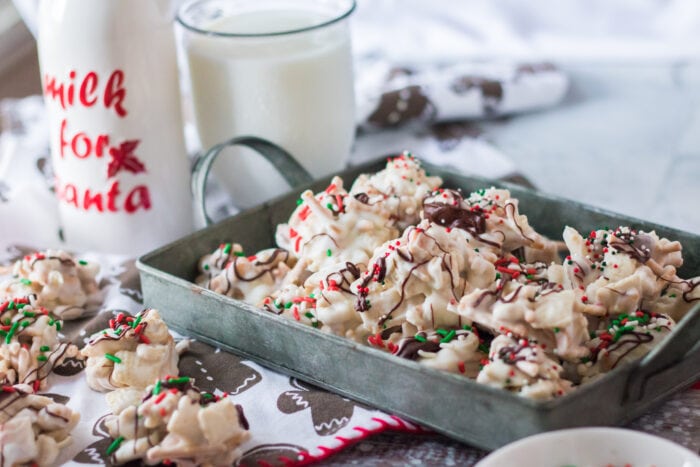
(457, 350)
(522, 301)
(173, 422)
(334, 227)
(626, 337)
(399, 189)
(133, 352)
(29, 345)
(522, 366)
(229, 272)
(62, 284)
(33, 428)
(428, 274)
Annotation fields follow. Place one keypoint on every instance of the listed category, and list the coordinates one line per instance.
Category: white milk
(110, 79)
(295, 90)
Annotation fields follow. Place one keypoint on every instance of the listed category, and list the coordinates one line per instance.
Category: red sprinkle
(304, 213)
(292, 233)
(339, 200)
(460, 367)
(160, 397)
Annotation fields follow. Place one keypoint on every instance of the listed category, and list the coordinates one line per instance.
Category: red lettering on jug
(81, 144)
(138, 198)
(87, 199)
(112, 92)
(87, 89)
(115, 92)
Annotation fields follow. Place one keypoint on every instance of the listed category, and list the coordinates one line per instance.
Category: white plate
(592, 447)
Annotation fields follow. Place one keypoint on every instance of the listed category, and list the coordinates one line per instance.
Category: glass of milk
(276, 69)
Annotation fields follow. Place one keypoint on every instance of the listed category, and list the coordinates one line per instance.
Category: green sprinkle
(182, 380)
(314, 324)
(450, 335)
(498, 275)
(442, 332)
(476, 249)
(466, 327)
(288, 305)
(556, 330)
(115, 445)
(672, 295)
(11, 305)
(19, 306)
(42, 358)
(26, 281)
(207, 395)
(137, 321)
(299, 201)
(484, 348)
(227, 248)
(82, 262)
(311, 295)
(585, 360)
(29, 314)
(156, 388)
(24, 324)
(330, 206)
(51, 321)
(2, 333)
(419, 338)
(58, 325)
(206, 267)
(309, 315)
(329, 252)
(11, 333)
(44, 348)
(114, 358)
(240, 254)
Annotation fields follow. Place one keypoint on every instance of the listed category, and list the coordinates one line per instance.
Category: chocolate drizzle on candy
(409, 347)
(124, 326)
(637, 245)
(455, 217)
(628, 332)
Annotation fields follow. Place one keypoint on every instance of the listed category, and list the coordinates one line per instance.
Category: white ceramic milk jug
(110, 81)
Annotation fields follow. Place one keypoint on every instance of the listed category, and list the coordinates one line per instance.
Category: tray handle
(286, 165)
(684, 336)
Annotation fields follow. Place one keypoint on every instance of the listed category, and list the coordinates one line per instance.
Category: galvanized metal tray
(451, 404)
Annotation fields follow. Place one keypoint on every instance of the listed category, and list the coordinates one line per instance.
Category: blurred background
(410, 31)
(19, 67)
(625, 136)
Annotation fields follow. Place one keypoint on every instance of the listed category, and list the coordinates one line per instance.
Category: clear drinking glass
(276, 69)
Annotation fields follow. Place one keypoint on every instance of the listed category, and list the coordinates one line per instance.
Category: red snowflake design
(123, 158)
